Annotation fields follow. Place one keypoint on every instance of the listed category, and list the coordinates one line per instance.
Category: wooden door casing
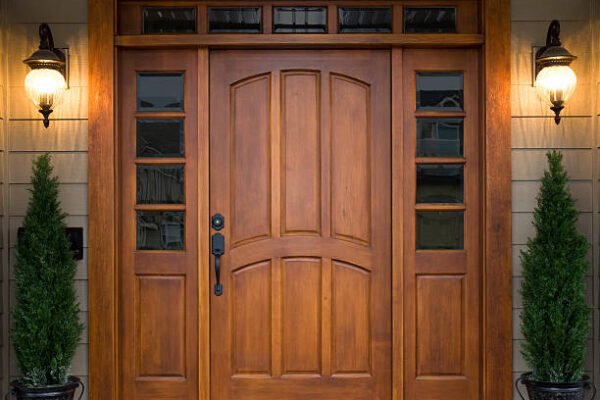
(158, 289)
(300, 168)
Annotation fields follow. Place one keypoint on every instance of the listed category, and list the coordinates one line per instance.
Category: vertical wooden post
(497, 309)
(103, 372)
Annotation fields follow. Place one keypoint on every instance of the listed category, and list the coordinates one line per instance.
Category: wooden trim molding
(497, 285)
(102, 197)
(270, 41)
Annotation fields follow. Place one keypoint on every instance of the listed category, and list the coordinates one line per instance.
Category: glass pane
(443, 91)
(440, 183)
(362, 19)
(440, 230)
(300, 20)
(160, 230)
(160, 184)
(430, 20)
(169, 20)
(234, 20)
(160, 138)
(437, 137)
(159, 92)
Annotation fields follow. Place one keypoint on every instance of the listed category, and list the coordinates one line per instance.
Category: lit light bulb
(556, 83)
(45, 87)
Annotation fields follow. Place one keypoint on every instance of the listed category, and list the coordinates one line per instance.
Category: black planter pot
(55, 392)
(555, 391)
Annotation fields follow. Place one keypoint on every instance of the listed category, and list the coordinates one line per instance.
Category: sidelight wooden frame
(496, 154)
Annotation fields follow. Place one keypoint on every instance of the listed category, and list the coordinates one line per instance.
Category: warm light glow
(556, 83)
(45, 87)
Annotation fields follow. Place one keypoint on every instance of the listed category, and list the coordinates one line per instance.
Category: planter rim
(72, 383)
(585, 379)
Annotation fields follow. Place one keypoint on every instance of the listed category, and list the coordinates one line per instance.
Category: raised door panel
(351, 164)
(305, 311)
(250, 159)
(301, 156)
(301, 316)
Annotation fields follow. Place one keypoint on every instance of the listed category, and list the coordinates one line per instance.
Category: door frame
(104, 44)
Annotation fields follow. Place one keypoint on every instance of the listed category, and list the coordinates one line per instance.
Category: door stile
(203, 222)
(275, 217)
(397, 224)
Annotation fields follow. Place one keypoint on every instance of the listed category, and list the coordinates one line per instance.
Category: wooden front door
(300, 145)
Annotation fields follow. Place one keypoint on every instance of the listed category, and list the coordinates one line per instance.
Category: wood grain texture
(154, 362)
(354, 40)
(443, 286)
(497, 290)
(103, 371)
(305, 313)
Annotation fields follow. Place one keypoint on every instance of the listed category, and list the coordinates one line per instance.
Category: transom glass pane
(441, 91)
(160, 230)
(299, 20)
(234, 20)
(440, 230)
(430, 20)
(440, 183)
(160, 91)
(365, 19)
(440, 137)
(169, 20)
(160, 138)
(160, 184)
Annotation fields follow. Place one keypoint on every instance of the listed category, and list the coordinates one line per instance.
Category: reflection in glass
(440, 230)
(160, 138)
(169, 20)
(234, 20)
(365, 19)
(160, 230)
(299, 20)
(442, 91)
(160, 92)
(160, 184)
(430, 20)
(439, 137)
(440, 183)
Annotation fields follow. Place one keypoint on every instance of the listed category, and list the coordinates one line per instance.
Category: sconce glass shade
(45, 87)
(556, 83)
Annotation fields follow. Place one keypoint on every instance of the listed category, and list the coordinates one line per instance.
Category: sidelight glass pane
(160, 184)
(430, 20)
(160, 230)
(440, 183)
(365, 19)
(440, 230)
(160, 138)
(169, 20)
(234, 20)
(441, 91)
(160, 91)
(440, 137)
(299, 20)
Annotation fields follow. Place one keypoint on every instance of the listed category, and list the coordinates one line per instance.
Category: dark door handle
(218, 249)
(217, 246)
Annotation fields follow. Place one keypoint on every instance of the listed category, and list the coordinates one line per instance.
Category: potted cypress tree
(555, 317)
(46, 326)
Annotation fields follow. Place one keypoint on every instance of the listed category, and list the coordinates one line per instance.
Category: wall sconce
(46, 81)
(553, 75)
